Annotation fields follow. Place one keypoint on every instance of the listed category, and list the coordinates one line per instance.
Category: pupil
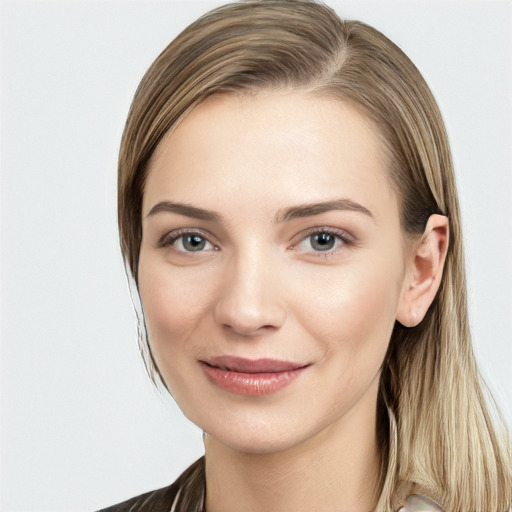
(194, 243)
(322, 242)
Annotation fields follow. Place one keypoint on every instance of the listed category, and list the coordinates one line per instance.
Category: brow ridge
(184, 209)
(309, 210)
(285, 215)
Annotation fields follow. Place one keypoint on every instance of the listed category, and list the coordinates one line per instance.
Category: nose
(250, 298)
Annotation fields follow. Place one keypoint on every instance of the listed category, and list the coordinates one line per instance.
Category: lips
(251, 377)
(239, 364)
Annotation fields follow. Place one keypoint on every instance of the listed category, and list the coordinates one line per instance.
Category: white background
(81, 426)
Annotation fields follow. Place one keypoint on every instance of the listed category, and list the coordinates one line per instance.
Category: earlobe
(424, 272)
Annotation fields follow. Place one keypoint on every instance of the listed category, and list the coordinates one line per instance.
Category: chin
(257, 436)
(258, 444)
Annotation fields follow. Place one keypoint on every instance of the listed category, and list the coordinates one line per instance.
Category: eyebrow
(184, 209)
(309, 210)
(285, 215)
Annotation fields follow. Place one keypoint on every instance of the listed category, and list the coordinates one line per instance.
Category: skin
(259, 287)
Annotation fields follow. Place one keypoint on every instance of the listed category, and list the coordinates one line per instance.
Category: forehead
(283, 146)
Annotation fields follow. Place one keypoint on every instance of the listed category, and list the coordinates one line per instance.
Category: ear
(424, 271)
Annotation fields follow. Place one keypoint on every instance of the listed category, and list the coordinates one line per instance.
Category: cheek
(352, 312)
(173, 303)
(353, 322)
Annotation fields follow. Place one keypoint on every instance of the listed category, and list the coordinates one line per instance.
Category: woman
(288, 212)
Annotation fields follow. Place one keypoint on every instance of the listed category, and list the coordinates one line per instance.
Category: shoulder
(163, 500)
(160, 500)
(420, 503)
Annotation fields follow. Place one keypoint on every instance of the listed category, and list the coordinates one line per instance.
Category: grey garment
(420, 503)
(180, 496)
(183, 497)
(160, 500)
(165, 500)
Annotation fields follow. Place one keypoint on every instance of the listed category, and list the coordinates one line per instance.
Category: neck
(336, 470)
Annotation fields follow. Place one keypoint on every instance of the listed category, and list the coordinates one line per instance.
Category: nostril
(249, 331)
(249, 303)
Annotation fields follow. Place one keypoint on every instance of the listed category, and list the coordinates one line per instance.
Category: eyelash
(169, 239)
(343, 238)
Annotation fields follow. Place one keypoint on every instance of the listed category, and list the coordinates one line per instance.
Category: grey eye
(193, 243)
(322, 241)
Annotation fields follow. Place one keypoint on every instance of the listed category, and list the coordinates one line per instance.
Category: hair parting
(436, 424)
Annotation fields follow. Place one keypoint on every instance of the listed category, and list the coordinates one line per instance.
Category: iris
(322, 241)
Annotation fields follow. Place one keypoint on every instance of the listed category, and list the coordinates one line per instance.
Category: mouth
(251, 377)
(241, 365)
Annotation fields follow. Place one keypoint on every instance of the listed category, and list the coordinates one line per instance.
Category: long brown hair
(435, 426)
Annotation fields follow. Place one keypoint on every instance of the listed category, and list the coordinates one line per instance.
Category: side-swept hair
(435, 427)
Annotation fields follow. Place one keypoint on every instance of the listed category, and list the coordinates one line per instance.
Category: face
(271, 267)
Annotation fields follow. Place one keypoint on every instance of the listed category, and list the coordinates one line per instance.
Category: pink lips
(251, 377)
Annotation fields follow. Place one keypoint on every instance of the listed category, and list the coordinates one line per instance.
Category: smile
(251, 377)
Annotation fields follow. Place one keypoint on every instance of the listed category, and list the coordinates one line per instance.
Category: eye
(186, 242)
(323, 241)
(191, 243)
